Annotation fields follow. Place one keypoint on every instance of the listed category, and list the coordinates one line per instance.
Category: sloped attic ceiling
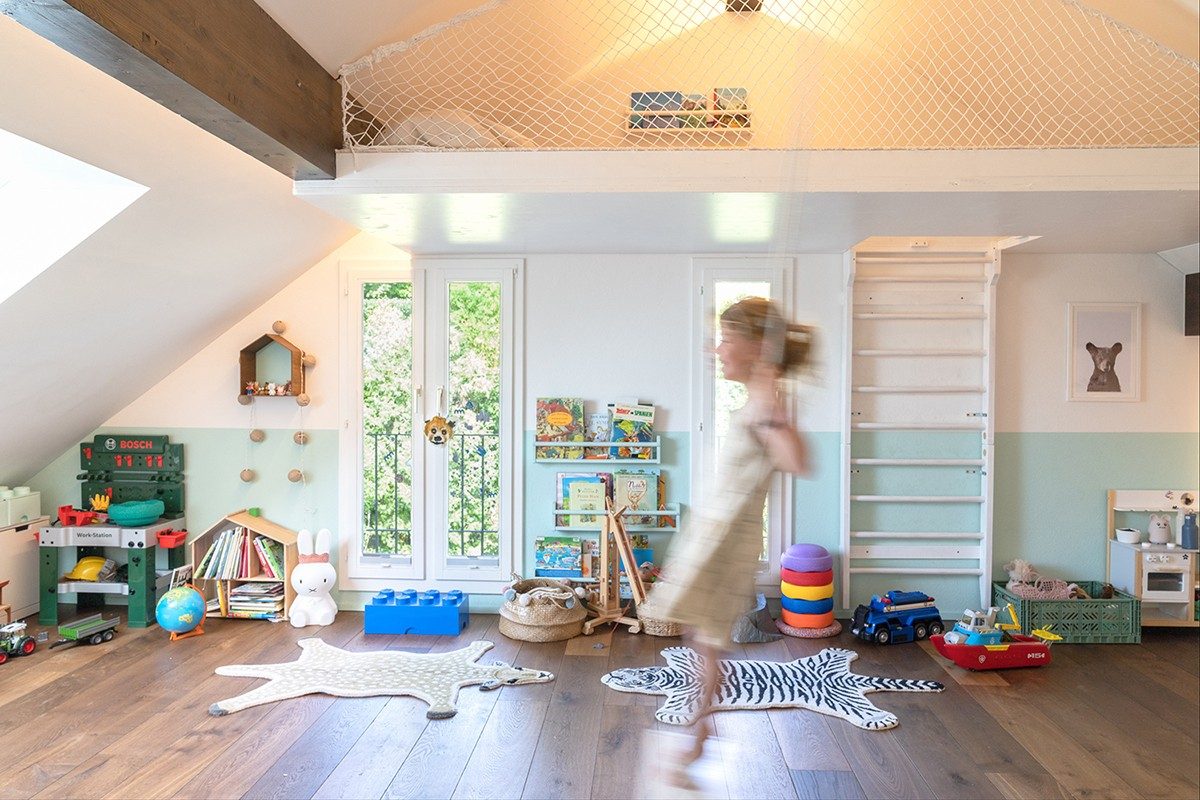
(814, 74)
(216, 233)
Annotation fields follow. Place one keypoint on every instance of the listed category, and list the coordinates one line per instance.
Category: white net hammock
(792, 75)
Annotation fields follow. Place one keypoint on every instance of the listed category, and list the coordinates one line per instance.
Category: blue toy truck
(897, 617)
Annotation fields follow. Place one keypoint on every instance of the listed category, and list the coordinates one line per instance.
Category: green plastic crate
(1114, 621)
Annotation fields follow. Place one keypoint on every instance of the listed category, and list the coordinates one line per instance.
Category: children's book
(558, 557)
(697, 107)
(663, 521)
(658, 102)
(559, 419)
(638, 490)
(632, 423)
(599, 425)
(727, 99)
(582, 491)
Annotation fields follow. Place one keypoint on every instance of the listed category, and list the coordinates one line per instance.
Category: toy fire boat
(979, 642)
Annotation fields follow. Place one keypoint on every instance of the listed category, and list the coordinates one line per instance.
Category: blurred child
(708, 581)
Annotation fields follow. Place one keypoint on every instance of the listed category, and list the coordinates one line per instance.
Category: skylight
(49, 203)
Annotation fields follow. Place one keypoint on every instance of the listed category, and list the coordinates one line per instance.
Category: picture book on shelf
(696, 104)
(637, 489)
(655, 102)
(558, 419)
(599, 425)
(582, 491)
(558, 557)
(632, 423)
(730, 99)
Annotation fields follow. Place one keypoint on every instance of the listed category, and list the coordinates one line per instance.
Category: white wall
(201, 393)
(1031, 344)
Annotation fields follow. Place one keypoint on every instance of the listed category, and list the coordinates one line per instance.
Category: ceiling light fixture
(743, 6)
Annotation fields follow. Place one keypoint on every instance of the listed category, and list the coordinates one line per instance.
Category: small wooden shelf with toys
(244, 565)
(252, 384)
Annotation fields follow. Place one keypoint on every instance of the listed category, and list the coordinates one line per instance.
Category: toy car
(897, 617)
(14, 642)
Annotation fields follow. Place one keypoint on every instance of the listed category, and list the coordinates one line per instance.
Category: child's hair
(787, 343)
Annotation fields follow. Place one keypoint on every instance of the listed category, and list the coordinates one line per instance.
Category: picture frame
(1104, 352)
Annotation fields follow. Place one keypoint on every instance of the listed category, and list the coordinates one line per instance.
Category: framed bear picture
(1104, 343)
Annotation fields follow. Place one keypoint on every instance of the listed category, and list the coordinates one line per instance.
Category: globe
(180, 610)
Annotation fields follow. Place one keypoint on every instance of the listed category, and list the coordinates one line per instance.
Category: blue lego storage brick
(408, 611)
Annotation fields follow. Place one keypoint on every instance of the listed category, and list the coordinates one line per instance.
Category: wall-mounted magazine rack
(655, 448)
(669, 510)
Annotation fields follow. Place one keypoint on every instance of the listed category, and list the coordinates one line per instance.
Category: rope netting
(793, 74)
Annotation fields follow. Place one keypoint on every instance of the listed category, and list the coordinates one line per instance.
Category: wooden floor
(129, 720)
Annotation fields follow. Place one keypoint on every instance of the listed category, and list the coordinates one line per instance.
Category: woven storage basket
(659, 627)
(543, 620)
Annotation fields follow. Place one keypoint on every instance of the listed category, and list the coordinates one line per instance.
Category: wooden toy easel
(615, 549)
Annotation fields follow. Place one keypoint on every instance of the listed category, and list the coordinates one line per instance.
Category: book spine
(275, 556)
(262, 557)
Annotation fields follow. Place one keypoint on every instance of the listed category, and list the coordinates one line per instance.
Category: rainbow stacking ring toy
(806, 589)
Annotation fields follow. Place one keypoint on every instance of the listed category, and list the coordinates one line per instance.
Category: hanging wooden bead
(247, 475)
(309, 360)
(257, 435)
(295, 476)
(279, 326)
(300, 437)
(303, 399)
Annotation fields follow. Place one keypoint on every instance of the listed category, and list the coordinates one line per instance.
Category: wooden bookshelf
(256, 526)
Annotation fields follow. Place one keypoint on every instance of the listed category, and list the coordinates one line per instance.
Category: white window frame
(427, 567)
(706, 272)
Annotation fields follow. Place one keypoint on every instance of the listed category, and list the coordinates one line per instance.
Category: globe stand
(199, 629)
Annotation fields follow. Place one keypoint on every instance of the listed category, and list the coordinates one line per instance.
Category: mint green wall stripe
(1049, 502)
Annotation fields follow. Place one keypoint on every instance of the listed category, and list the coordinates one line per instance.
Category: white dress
(708, 581)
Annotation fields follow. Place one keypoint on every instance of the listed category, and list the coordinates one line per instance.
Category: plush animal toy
(312, 579)
(1160, 529)
(438, 430)
(1020, 571)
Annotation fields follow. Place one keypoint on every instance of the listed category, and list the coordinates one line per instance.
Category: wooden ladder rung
(917, 426)
(917, 535)
(913, 498)
(921, 353)
(919, 389)
(917, 462)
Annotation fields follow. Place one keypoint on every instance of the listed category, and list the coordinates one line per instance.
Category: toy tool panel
(126, 467)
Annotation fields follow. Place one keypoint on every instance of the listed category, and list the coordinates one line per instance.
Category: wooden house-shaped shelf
(249, 385)
(255, 526)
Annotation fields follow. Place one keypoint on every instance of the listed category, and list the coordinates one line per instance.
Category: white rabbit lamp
(312, 579)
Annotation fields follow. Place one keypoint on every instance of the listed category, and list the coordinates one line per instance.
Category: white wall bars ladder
(917, 431)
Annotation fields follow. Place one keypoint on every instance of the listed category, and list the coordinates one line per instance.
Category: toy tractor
(14, 642)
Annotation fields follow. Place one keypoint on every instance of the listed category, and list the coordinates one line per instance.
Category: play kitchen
(1157, 566)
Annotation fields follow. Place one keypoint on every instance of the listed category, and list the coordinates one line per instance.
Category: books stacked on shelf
(599, 425)
(256, 601)
(582, 491)
(632, 422)
(238, 553)
(559, 419)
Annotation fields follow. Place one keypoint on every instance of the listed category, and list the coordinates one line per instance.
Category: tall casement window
(436, 338)
(719, 283)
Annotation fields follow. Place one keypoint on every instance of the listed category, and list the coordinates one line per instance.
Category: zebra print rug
(821, 683)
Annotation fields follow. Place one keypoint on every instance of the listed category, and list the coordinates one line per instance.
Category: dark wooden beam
(223, 64)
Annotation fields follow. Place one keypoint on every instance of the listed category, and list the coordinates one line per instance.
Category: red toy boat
(1021, 651)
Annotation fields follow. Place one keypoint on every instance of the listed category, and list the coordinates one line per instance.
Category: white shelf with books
(670, 513)
(653, 447)
(243, 565)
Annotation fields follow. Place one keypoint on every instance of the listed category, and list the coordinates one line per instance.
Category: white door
(433, 339)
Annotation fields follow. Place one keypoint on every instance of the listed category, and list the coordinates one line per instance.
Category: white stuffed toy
(313, 578)
(1160, 529)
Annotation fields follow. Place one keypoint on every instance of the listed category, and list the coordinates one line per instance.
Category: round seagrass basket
(659, 627)
(545, 618)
